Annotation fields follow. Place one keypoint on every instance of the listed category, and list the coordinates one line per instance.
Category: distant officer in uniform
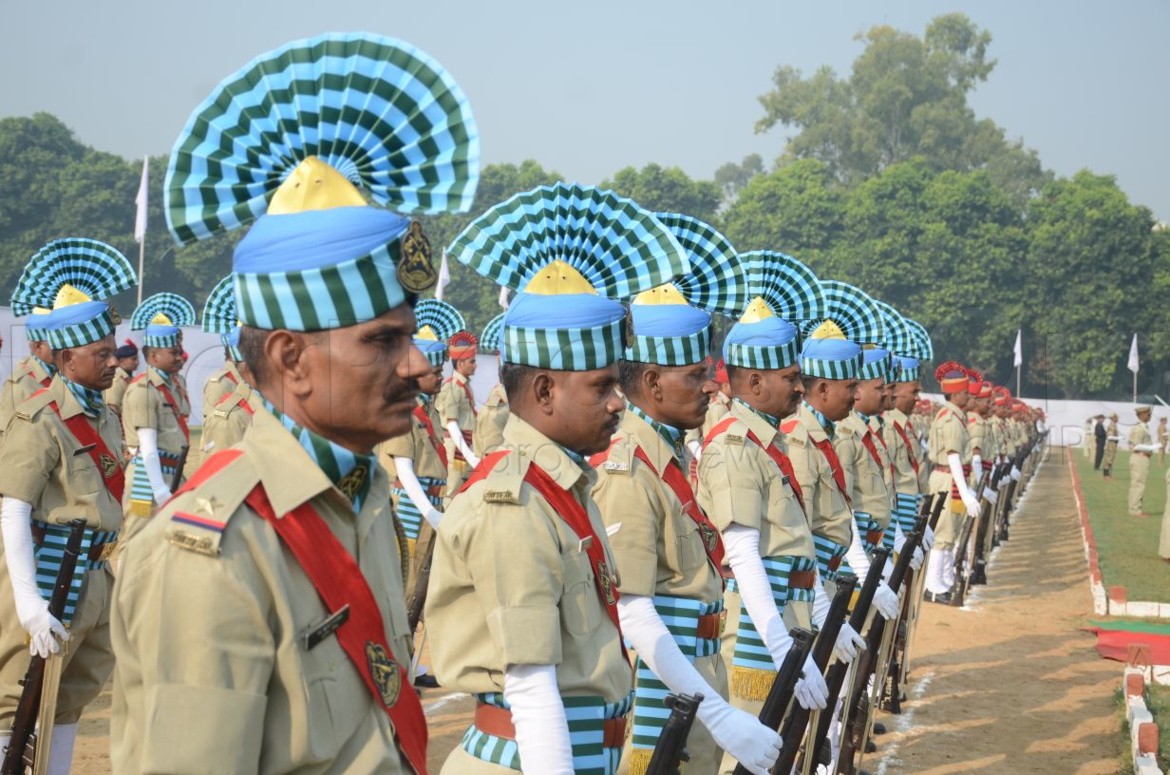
(264, 604)
(1163, 440)
(669, 551)
(493, 415)
(32, 372)
(61, 462)
(219, 318)
(1112, 439)
(950, 455)
(747, 485)
(457, 410)
(127, 357)
(153, 418)
(523, 604)
(1142, 447)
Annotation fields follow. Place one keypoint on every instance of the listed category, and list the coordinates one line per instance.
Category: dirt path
(1012, 686)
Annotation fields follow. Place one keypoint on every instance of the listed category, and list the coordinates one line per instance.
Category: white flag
(140, 200)
(1019, 350)
(504, 296)
(1133, 356)
(444, 278)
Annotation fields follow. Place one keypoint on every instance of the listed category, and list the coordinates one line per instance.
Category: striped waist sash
(681, 616)
(906, 510)
(752, 668)
(141, 493)
(869, 529)
(49, 551)
(587, 735)
(830, 555)
(407, 512)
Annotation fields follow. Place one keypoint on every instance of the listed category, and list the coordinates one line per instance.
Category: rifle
(964, 551)
(856, 718)
(932, 507)
(986, 516)
(418, 595)
(671, 749)
(177, 479)
(784, 684)
(28, 744)
(835, 679)
(797, 722)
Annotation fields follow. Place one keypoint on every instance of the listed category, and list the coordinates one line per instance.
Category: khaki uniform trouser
(795, 615)
(1164, 544)
(950, 525)
(1139, 469)
(89, 661)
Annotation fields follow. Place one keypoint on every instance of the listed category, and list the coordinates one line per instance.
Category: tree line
(885, 178)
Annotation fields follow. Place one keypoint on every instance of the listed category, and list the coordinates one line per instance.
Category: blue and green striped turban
(70, 279)
(301, 140)
(782, 292)
(901, 342)
(672, 323)
(437, 322)
(923, 346)
(219, 316)
(876, 363)
(832, 348)
(909, 369)
(573, 253)
(161, 318)
(489, 340)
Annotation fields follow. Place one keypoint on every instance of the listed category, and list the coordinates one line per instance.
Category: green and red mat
(1114, 639)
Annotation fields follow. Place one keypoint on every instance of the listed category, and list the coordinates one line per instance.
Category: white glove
(742, 551)
(918, 558)
(885, 600)
(992, 495)
(542, 730)
(928, 539)
(148, 449)
(735, 731)
(31, 609)
(405, 468)
(977, 467)
(1015, 474)
(855, 555)
(811, 691)
(849, 644)
(457, 437)
(965, 493)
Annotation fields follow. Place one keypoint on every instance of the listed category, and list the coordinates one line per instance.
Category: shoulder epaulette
(502, 483)
(31, 406)
(618, 459)
(200, 513)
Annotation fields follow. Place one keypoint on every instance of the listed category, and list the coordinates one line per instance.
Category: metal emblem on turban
(415, 271)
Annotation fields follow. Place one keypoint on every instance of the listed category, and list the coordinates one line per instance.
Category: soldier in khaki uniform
(272, 584)
(224, 424)
(493, 415)
(457, 411)
(127, 357)
(716, 411)
(978, 433)
(31, 373)
(62, 462)
(670, 553)
(538, 641)
(219, 317)
(1142, 447)
(153, 418)
(950, 456)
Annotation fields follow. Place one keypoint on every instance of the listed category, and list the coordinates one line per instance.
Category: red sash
(44, 382)
(826, 448)
(781, 460)
(242, 403)
(170, 399)
(466, 392)
(111, 471)
(573, 513)
(421, 414)
(909, 449)
(340, 582)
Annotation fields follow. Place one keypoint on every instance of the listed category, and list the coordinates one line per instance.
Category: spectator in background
(1112, 438)
(1090, 428)
(1099, 435)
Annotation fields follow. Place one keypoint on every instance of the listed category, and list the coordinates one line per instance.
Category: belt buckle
(722, 622)
(106, 550)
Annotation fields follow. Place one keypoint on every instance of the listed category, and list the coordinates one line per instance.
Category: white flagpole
(140, 224)
(1134, 364)
(1019, 358)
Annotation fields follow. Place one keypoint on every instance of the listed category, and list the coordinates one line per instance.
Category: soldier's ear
(287, 356)
(542, 387)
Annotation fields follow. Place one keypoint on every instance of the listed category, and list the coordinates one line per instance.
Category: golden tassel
(751, 683)
(141, 508)
(640, 760)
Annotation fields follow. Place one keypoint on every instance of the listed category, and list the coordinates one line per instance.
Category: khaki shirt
(901, 454)
(27, 377)
(512, 585)
(220, 385)
(416, 445)
(489, 424)
(145, 407)
(182, 396)
(948, 433)
(872, 487)
(829, 513)
(659, 548)
(42, 462)
(117, 390)
(213, 674)
(979, 436)
(224, 425)
(453, 403)
(1138, 434)
(740, 484)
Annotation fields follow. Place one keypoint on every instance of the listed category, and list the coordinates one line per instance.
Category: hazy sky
(589, 88)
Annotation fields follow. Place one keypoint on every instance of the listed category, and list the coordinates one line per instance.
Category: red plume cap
(462, 345)
(952, 378)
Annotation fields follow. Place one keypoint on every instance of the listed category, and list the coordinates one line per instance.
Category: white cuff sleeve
(821, 602)
(742, 545)
(696, 450)
(404, 466)
(148, 449)
(457, 436)
(858, 559)
(16, 525)
(542, 730)
(977, 467)
(956, 466)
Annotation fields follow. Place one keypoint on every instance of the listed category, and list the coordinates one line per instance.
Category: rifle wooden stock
(836, 675)
(784, 684)
(177, 479)
(28, 708)
(792, 732)
(418, 595)
(671, 749)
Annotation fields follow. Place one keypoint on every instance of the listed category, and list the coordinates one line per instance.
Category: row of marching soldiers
(595, 599)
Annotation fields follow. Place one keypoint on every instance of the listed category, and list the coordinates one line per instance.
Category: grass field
(1127, 546)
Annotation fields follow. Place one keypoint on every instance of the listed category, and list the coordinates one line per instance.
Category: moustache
(409, 391)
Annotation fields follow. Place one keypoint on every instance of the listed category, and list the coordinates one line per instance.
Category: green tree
(667, 190)
(732, 177)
